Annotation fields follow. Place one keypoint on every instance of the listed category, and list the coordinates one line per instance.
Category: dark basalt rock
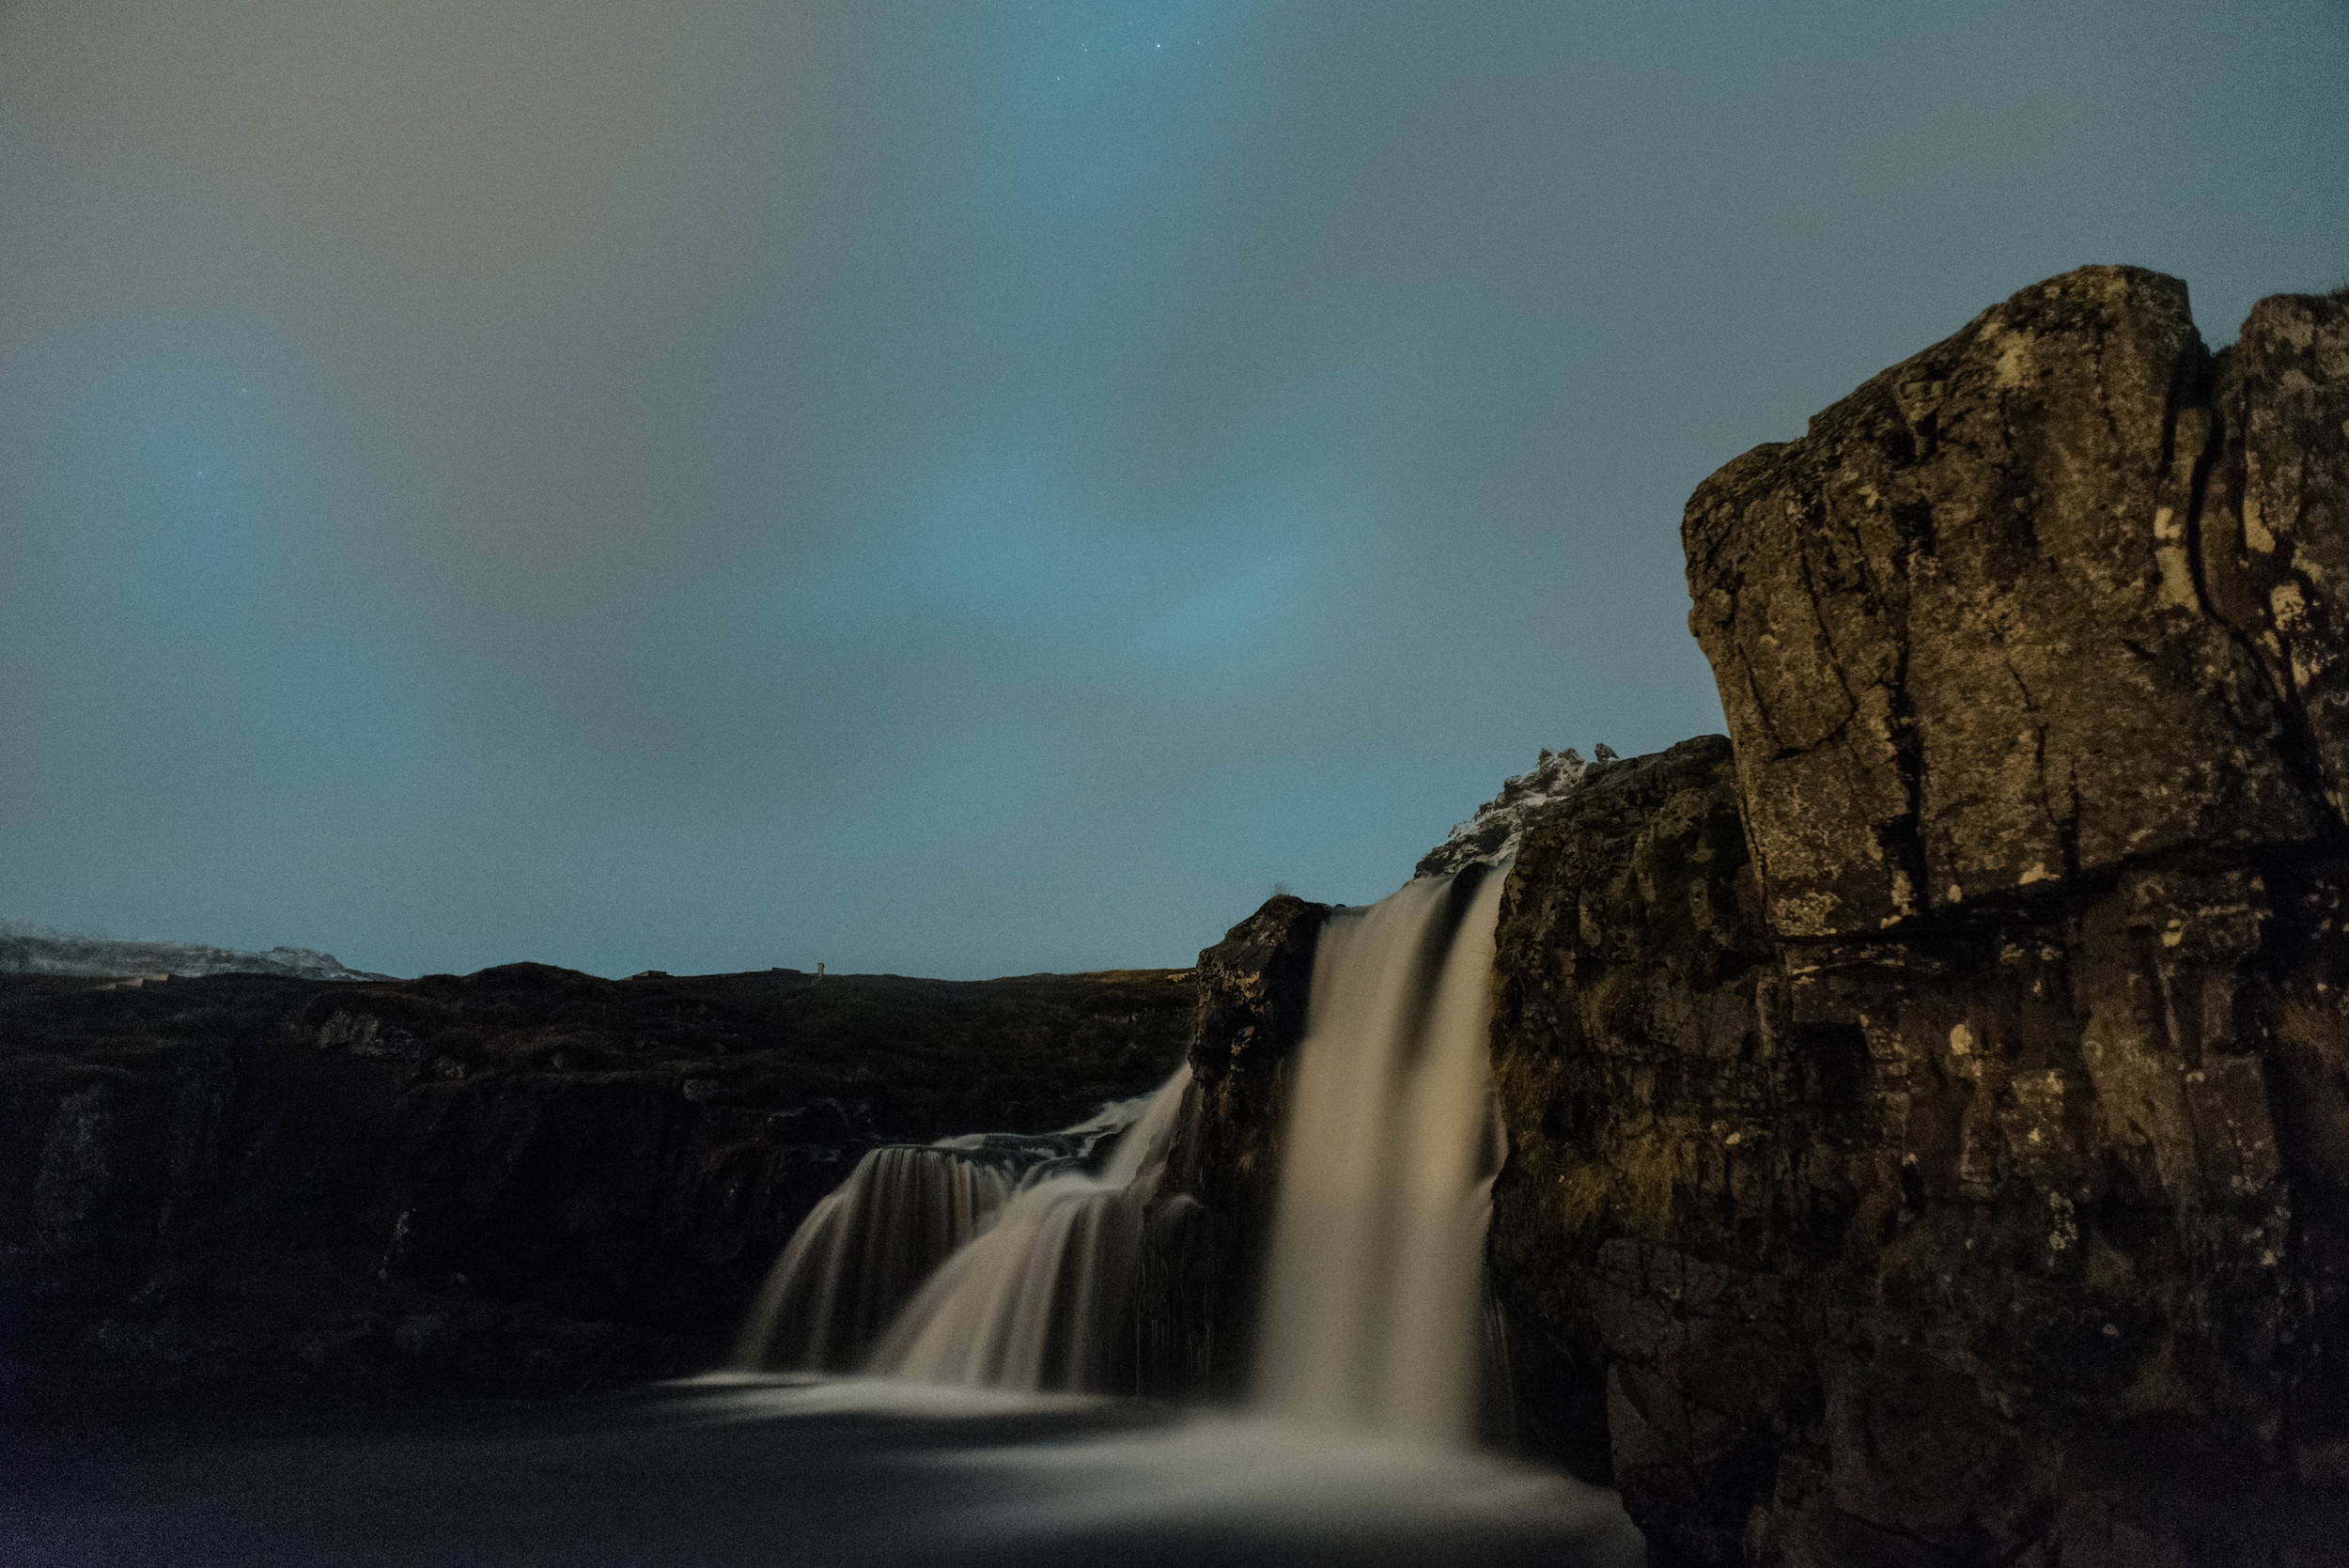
(1633, 898)
(1206, 1235)
(1929, 1112)
(2272, 532)
(525, 1179)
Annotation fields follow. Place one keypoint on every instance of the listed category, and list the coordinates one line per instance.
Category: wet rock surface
(523, 1180)
(1929, 1109)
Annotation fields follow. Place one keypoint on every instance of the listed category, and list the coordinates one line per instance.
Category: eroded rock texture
(1930, 1123)
(1960, 631)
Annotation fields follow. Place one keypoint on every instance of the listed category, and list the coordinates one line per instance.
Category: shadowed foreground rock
(1930, 1110)
(1206, 1236)
(525, 1179)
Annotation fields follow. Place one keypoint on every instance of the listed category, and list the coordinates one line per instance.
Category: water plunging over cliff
(1011, 1262)
(1373, 1315)
(865, 1249)
(1038, 1300)
(862, 1251)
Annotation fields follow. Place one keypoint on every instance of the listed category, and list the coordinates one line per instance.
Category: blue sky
(964, 489)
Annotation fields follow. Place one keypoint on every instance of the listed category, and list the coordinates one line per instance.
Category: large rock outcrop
(524, 1179)
(1966, 630)
(1930, 1110)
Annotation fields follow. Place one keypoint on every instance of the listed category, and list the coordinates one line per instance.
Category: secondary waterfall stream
(1009, 1261)
(866, 1250)
(1037, 1300)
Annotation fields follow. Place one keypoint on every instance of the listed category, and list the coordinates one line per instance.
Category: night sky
(956, 488)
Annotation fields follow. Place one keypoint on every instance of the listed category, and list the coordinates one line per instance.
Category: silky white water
(1038, 1299)
(862, 1251)
(1372, 1306)
(1020, 1276)
(866, 1246)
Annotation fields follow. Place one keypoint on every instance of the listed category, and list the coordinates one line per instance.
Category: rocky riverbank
(526, 1179)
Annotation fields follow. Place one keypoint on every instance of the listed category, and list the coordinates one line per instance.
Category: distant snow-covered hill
(27, 948)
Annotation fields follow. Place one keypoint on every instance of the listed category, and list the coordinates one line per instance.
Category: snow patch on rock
(1493, 834)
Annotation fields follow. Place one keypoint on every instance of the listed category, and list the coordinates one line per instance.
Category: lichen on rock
(1961, 629)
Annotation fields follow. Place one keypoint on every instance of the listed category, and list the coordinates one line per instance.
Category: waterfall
(862, 1251)
(1040, 1300)
(1010, 1260)
(865, 1247)
(1372, 1314)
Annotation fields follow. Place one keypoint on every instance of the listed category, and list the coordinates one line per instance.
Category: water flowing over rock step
(987, 1259)
(1373, 1315)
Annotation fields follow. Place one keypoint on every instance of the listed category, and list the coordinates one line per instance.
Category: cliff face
(1205, 1239)
(523, 1179)
(1929, 1111)
(2033, 605)
(1631, 906)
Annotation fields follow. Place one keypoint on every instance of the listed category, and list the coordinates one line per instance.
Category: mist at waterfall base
(934, 1372)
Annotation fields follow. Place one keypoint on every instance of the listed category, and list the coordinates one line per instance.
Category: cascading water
(1038, 1300)
(862, 1251)
(1372, 1315)
(866, 1248)
(1372, 1309)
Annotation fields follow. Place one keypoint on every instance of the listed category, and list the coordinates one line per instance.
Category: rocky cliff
(525, 1179)
(1930, 1110)
(1929, 1106)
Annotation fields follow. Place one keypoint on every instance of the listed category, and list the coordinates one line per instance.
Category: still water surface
(734, 1470)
